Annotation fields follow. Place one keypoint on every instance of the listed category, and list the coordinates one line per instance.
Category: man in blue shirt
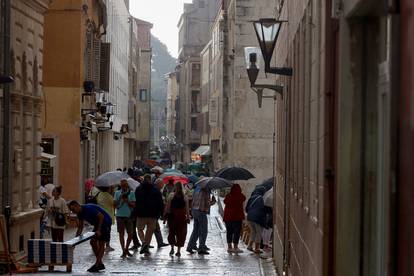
(101, 222)
(124, 202)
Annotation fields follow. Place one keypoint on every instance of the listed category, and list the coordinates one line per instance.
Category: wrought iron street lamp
(253, 67)
(267, 32)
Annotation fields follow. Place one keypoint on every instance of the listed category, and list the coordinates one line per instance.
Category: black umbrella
(213, 183)
(235, 173)
(266, 184)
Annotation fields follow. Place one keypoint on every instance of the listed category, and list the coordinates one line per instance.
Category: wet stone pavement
(219, 262)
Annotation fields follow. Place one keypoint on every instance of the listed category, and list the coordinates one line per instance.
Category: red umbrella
(175, 178)
(151, 162)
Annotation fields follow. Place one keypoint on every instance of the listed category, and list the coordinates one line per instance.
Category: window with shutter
(104, 66)
(143, 95)
(88, 55)
(96, 59)
(131, 116)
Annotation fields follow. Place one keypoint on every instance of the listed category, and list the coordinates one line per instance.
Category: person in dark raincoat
(256, 216)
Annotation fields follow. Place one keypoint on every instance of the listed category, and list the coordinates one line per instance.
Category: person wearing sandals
(256, 216)
(124, 203)
(56, 206)
(177, 214)
(233, 217)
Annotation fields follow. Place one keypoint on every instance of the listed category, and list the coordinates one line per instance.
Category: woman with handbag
(177, 214)
(57, 212)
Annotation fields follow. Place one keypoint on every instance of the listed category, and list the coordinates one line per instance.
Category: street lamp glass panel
(267, 31)
(99, 97)
(252, 55)
(110, 109)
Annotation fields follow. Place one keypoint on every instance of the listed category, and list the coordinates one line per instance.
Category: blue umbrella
(193, 178)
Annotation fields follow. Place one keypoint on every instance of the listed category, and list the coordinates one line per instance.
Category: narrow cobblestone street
(219, 262)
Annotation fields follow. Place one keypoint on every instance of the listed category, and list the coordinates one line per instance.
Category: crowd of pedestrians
(137, 214)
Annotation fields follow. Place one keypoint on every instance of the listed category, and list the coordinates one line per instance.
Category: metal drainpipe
(7, 127)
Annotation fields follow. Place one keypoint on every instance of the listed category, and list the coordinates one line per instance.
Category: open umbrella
(151, 162)
(157, 169)
(266, 184)
(132, 183)
(49, 188)
(213, 183)
(235, 173)
(193, 178)
(109, 179)
(268, 198)
(175, 178)
(175, 175)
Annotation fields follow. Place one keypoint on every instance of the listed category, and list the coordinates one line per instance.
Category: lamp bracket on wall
(258, 89)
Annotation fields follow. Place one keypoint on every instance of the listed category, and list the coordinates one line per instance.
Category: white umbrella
(268, 198)
(109, 179)
(49, 188)
(157, 169)
(133, 184)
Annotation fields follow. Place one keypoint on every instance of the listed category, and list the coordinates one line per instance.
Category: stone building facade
(337, 157)
(73, 125)
(133, 60)
(240, 134)
(194, 33)
(137, 139)
(111, 143)
(26, 66)
(172, 96)
(143, 93)
(403, 264)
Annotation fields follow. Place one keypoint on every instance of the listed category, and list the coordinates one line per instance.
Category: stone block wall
(300, 230)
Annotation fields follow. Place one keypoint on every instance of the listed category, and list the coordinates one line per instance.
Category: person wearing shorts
(124, 202)
(101, 221)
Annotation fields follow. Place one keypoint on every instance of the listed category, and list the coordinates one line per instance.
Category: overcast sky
(164, 14)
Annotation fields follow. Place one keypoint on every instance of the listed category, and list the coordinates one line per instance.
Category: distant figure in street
(105, 199)
(136, 175)
(177, 213)
(158, 184)
(148, 209)
(268, 229)
(101, 222)
(124, 203)
(200, 210)
(233, 217)
(44, 196)
(256, 216)
(57, 212)
(168, 190)
(89, 184)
